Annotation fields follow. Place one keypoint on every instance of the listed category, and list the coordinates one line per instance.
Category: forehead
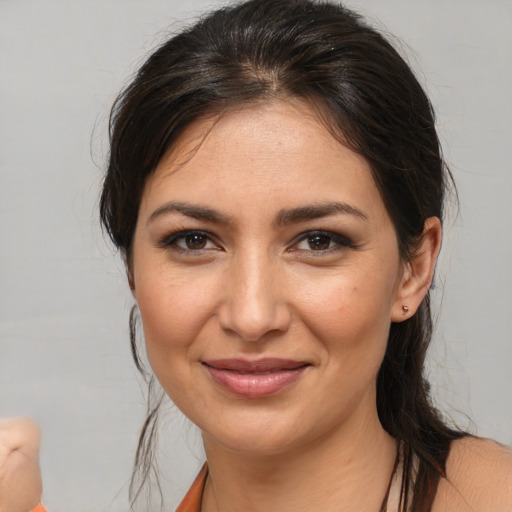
(278, 150)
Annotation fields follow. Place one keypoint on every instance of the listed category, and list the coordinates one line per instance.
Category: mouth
(255, 379)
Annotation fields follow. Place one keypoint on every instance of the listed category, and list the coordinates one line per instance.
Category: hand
(20, 477)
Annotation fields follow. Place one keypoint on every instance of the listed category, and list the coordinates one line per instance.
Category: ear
(131, 281)
(418, 272)
(128, 265)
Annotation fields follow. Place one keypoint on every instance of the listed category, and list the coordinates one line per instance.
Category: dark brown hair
(367, 96)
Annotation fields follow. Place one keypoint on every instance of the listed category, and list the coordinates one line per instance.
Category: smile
(254, 379)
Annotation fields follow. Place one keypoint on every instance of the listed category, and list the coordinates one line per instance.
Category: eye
(318, 242)
(188, 241)
(193, 242)
(321, 241)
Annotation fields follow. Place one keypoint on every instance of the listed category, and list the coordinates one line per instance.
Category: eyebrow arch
(189, 210)
(316, 211)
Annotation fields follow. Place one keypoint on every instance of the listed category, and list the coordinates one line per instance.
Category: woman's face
(267, 271)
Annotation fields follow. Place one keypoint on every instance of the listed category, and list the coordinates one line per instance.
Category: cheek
(173, 309)
(172, 316)
(349, 311)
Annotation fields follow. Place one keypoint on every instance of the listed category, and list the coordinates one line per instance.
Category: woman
(276, 187)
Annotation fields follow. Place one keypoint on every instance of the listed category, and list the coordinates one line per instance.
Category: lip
(254, 379)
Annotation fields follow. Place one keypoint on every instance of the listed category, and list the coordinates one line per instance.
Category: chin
(251, 444)
(254, 435)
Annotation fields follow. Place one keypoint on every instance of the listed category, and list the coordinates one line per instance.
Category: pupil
(195, 241)
(319, 242)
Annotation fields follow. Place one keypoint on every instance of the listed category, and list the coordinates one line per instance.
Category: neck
(345, 470)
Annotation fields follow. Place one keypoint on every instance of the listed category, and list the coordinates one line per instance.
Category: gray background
(64, 356)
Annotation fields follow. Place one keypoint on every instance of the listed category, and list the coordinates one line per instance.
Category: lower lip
(254, 385)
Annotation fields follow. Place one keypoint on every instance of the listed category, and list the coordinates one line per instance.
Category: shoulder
(479, 477)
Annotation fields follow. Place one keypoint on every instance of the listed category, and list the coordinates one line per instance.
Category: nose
(254, 304)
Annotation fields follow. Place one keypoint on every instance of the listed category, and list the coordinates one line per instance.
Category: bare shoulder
(479, 478)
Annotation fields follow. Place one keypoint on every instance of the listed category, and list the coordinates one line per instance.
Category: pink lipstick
(254, 379)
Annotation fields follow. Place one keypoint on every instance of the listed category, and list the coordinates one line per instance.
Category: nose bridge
(254, 304)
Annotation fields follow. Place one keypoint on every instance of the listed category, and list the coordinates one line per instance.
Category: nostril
(254, 324)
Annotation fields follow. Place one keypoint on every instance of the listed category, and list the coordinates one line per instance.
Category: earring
(405, 309)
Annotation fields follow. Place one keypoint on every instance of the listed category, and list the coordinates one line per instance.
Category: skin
(20, 478)
(479, 478)
(253, 286)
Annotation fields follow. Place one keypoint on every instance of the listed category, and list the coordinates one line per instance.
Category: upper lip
(268, 364)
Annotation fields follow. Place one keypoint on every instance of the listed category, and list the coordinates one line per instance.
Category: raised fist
(20, 477)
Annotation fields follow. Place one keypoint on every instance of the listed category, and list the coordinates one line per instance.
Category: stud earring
(405, 309)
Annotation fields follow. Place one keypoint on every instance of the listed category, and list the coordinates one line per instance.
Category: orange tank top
(192, 500)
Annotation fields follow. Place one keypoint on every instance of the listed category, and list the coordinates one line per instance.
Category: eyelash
(171, 242)
(341, 242)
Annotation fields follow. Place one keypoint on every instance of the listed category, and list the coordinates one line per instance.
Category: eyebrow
(190, 210)
(316, 211)
(284, 217)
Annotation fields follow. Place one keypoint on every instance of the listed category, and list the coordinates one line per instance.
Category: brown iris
(196, 241)
(319, 242)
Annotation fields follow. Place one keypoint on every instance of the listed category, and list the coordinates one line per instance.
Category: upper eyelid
(340, 243)
(332, 234)
(169, 239)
